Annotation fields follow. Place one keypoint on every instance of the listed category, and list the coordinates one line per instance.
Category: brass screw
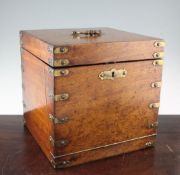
(156, 55)
(64, 62)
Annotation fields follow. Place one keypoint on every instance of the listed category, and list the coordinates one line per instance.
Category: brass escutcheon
(113, 74)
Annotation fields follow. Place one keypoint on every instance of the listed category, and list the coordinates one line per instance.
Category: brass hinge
(58, 62)
(158, 62)
(60, 164)
(59, 97)
(153, 125)
(156, 84)
(59, 143)
(61, 120)
(58, 72)
(154, 105)
(159, 44)
(158, 54)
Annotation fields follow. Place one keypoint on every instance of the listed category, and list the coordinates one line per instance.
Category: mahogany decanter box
(90, 94)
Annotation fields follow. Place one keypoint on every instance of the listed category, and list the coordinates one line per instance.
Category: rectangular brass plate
(113, 74)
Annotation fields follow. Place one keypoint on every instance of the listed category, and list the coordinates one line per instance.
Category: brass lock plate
(113, 74)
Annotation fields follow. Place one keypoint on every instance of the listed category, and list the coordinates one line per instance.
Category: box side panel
(102, 112)
(37, 106)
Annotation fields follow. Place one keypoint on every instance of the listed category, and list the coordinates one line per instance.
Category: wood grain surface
(107, 117)
(21, 155)
(103, 112)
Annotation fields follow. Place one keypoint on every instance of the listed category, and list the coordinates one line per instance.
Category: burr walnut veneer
(90, 94)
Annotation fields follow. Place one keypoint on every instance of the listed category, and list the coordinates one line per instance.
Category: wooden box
(90, 94)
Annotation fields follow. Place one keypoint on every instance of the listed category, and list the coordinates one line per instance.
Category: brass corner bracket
(58, 72)
(58, 62)
(159, 43)
(158, 55)
(156, 84)
(154, 105)
(60, 164)
(59, 97)
(59, 143)
(61, 120)
(158, 62)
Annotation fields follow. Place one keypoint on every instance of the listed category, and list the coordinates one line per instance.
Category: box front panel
(102, 111)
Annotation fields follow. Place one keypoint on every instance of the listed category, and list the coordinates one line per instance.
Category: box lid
(82, 46)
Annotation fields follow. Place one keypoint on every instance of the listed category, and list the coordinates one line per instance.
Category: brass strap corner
(58, 62)
(60, 164)
(154, 105)
(59, 97)
(158, 55)
(156, 84)
(149, 144)
(158, 62)
(159, 43)
(58, 72)
(61, 50)
(153, 125)
(61, 120)
(59, 143)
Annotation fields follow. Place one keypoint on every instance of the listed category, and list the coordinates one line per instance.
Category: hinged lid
(70, 47)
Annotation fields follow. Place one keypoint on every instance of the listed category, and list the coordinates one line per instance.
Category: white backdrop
(155, 17)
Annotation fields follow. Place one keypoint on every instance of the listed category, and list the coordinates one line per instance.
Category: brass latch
(61, 120)
(112, 74)
(59, 143)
